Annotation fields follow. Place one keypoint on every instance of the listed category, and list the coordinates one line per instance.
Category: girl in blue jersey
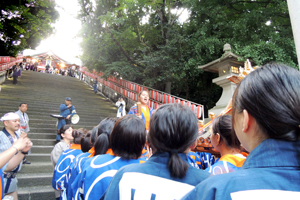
(74, 166)
(102, 146)
(127, 138)
(224, 140)
(167, 174)
(60, 179)
(266, 119)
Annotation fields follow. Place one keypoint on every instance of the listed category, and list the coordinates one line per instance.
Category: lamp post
(294, 7)
(225, 66)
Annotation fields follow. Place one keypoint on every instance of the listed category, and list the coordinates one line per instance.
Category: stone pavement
(44, 93)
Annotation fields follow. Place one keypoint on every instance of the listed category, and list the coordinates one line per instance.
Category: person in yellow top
(146, 110)
(225, 141)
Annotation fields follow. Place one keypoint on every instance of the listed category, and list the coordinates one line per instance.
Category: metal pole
(294, 10)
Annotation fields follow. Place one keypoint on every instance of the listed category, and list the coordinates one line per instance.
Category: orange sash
(76, 146)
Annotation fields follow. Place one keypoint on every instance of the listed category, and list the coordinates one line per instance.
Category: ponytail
(177, 166)
(102, 144)
(86, 142)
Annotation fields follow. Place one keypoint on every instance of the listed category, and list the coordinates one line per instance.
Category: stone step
(34, 179)
(41, 149)
(41, 135)
(37, 166)
(39, 157)
(47, 142)
(36, 193)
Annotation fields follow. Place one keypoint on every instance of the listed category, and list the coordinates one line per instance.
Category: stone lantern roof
(228, 58)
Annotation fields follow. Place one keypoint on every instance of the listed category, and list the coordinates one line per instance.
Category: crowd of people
(147, 154)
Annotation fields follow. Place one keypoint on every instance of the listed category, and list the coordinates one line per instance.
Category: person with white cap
(66, 111)
(10, 137)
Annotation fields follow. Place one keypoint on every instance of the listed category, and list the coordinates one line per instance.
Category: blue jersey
(74, 169)
(208, 159)
(60, 179)
(227, 163)
(152, 179)
(76, 182)
(195, 160)
(96, 177)
(271, 171)
(1, 185)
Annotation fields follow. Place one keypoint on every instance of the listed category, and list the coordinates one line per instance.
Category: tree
(162, 49)
(24, 23)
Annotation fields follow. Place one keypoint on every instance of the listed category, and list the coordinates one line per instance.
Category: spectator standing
(121, 107)
(66, 111)
(95, 84)
(24, 123)
(16, 74)
(8, 136)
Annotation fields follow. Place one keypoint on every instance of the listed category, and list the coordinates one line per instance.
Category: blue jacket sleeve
(133, 110)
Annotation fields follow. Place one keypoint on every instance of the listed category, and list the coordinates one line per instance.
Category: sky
(63, 42)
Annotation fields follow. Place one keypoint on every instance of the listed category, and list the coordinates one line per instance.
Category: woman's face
(144, 97)
(68, 134)
(213, 139)
(238, 128)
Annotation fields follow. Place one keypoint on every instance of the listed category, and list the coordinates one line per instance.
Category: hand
(139, 116)
(68, 117)
(69, 105)
(21, 143)
(28, 146)
(23, 134)
(149, 152)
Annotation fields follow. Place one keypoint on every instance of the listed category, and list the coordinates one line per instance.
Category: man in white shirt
(24, 122)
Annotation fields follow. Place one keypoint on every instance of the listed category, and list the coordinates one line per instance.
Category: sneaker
(26, 162)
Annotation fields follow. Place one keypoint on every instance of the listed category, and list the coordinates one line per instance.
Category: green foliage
(24, 23)
(119, 41)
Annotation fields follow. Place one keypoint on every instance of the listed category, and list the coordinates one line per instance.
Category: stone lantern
(225, 66)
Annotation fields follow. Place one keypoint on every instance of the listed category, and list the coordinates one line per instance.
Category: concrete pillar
(294, 10)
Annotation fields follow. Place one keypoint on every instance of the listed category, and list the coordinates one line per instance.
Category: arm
(22, 144)
(133, 110)
(56, 152)
(63, 107)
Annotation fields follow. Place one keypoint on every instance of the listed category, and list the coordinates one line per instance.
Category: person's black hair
(102, 143)
(271, 95)
(63, 129)
(223, 125)
(85, 142)
(173, 129)
(22, 104)
(77, 135)
(128, 137)
(94, 135)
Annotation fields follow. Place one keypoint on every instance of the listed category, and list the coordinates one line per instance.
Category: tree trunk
(168, 87)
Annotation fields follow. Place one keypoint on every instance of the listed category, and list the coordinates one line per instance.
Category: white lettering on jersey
(145, 185)
(265, 194)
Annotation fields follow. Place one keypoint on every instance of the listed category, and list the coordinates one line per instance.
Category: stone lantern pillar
(225, 66)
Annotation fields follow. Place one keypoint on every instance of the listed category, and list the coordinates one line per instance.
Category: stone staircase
(44, 93)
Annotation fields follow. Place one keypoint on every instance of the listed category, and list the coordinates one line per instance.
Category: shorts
(12, 187)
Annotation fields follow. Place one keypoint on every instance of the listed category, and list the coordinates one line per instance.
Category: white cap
(9, 116)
